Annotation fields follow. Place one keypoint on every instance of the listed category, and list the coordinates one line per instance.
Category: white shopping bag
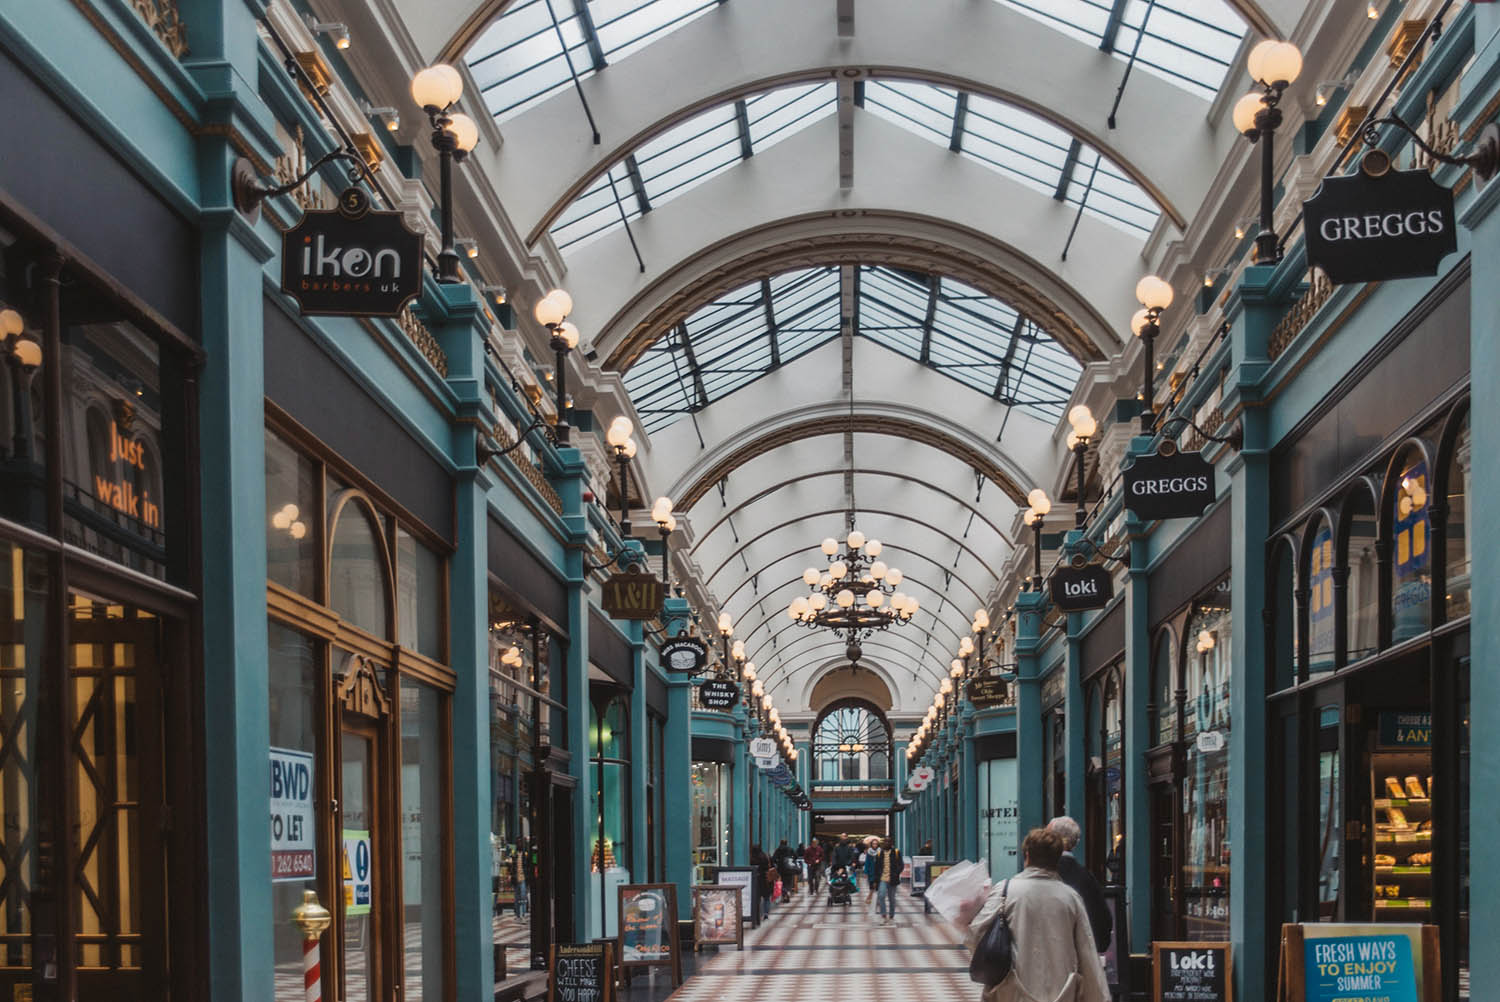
(957, 889)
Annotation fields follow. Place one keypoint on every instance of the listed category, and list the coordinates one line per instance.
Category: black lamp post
(436, 90)
(619, 439)
(666, 524)
(1154, 295)
(552, 313)
(1273, 65)
(1084, 426)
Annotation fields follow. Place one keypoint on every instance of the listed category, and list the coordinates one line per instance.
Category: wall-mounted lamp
(335, 30)
(469, 246)
(385, 115)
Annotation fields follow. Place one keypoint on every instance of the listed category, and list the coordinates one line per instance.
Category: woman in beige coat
(1054, 957)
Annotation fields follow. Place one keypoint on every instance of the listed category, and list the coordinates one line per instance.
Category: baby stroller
(840, 887)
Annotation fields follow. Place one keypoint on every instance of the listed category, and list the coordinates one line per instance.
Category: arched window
(1284, 647)
(609, 741)
(1164, 688)
(851, 743)
(1362, 594)
(357, 580)
(1114, 764)
(1456, 555)
(1321, 612)
(1411, 552)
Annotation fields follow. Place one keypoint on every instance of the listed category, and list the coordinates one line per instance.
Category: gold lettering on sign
(121, 494)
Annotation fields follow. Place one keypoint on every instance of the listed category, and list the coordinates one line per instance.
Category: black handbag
(993, 956)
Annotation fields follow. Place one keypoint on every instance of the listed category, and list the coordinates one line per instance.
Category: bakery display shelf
(1382, 802)
(1403, 904)
(1404, 871)
(1402, 838)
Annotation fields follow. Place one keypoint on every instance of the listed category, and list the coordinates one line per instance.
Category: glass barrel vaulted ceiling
(529, 58)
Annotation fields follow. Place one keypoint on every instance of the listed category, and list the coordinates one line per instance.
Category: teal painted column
(454, 317)
(905, 837)
(968, 788)
(1076, 737)
(1030, 753)
(677, 752)
(1138, 695)
(1249, 528)
(569, 478)
(1482, 217)
(743, 785)
(640, 761)
(236, 700)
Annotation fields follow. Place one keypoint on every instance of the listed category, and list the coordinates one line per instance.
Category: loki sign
(1180, 485)
(1379, 223)
(351, 261)
(718, 694)
(632, 595)
(684, 654)
(1076, 589)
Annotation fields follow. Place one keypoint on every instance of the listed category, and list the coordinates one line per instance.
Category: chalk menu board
(648, 927)
(582, 972)
(1191, 972)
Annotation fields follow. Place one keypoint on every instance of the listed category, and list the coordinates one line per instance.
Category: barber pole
(313, 919)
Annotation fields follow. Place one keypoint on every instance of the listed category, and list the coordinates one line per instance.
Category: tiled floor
(810, 952)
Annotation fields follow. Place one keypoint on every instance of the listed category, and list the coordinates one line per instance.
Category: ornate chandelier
(856, 596)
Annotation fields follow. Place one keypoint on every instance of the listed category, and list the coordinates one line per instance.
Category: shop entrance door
(1163, 862)
(363, 923)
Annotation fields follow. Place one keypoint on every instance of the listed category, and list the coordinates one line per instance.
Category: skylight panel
(777, 114)
(518, 60)
(1188, 42)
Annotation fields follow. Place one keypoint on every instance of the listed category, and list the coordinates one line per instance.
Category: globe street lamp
(552, 313)
(1040, 505)
(1273, 65)
(1084, 426)
(436, 90)
(619, 439)
(1154, 295)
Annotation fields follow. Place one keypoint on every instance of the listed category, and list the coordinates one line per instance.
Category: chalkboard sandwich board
(717, 917)
(1191, 972)
(648, 928)
(581, 972)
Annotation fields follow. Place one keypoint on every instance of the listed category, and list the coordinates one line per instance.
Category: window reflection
(1205, 800)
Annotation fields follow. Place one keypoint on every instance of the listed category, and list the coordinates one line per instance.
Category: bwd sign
(1379, 223)
(1180, 485)
(293, 827)
(351, 261)
(684, 654)
(1076, 589)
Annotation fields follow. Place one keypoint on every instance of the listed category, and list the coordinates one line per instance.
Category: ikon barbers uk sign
(352, 261)
(1179, 485)
(1378, 224)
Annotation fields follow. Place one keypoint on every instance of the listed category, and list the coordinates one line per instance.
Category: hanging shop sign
(921, 777)
(1179, 485)
(1379, 223)
(684, 654)
(763, 748)
(718, 694)
(1405, 730)
(293, 824)
(1076, 589)
(352, 261)
(632, 595)
(1209, 742)
(988, 691)
(1191, 972)
(648, 927)
(765, 763)
(581, 972)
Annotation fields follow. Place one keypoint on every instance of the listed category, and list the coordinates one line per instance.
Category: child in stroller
(840, 887)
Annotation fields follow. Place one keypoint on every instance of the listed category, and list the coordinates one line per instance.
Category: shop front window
(999, 816)
(1205, 801)
(1362, 597)
(356, 568)
(610, 842)
(23, 622)
(1114, 761)
(294, 672)
(1284, 647)
(292, 525)
(713, 792)
(1456, 597)
(419, 596)
(1320, 604)
(422, 847)
(1330, 813)
(1164, 688)
(1411, 557)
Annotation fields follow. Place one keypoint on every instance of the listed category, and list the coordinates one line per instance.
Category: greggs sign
(1159, 486)
(1378, 224)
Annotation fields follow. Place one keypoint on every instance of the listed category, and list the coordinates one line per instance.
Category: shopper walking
(765, 879)
(843, 858)
(1054, 958)
(887, 878)
(1077, 876)
(813, 854)
(871, 861)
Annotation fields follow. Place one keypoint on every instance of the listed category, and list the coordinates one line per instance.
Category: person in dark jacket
(888, 864)
(1075, 875)
(765, 877)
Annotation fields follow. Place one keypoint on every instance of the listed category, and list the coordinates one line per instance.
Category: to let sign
(1177, 486)
(293, 825)
(632, 595)
(1076, 589)
(1377, 224)
(351, 261)
(684, 654)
